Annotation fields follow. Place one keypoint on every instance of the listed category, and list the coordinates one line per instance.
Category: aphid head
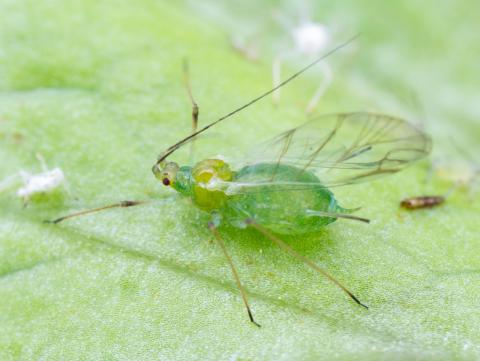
(166, 172)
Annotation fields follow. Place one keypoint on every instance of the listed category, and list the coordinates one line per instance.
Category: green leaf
(96, 89)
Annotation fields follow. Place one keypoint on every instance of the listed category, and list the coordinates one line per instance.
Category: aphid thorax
(197, 182)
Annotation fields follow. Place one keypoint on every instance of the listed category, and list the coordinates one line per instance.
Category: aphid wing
(346, 148)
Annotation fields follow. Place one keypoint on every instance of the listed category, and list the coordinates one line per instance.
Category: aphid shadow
(221, 281)
(243, 245)
(250, 240)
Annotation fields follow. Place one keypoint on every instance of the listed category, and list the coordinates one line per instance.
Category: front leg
(122, 204)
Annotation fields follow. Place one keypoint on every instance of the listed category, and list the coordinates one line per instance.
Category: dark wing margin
(343, 148)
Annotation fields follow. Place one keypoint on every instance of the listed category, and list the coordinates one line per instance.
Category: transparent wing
(339, 149)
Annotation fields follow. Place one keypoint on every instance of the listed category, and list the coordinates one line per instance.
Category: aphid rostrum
(286, 187)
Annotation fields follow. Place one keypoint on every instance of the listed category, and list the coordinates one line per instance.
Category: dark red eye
(166, 181)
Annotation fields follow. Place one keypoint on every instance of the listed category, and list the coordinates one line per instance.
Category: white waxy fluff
(43, 182)
(310, 38)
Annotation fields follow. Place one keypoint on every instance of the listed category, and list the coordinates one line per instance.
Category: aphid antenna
(163, 156)
(195, 108)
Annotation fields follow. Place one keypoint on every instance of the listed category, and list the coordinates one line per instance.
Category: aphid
(422, 202)
(43, 182)
(310, 38)
(286, 187)
(300, 40)
(33, 184)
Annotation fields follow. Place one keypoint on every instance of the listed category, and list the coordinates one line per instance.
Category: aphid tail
(339, 213)
(347, 214)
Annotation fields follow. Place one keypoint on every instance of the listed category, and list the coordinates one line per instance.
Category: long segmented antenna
(177, 145)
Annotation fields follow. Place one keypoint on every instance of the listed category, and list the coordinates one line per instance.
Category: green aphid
(270, 205)
(285, 188)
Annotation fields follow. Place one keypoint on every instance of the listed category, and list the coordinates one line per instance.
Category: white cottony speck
(310, 38)
(32, 184)
(40, 183)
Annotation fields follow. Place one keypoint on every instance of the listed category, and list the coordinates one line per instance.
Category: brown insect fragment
(422, 202)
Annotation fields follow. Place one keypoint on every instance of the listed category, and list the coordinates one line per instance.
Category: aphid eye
(166, 181)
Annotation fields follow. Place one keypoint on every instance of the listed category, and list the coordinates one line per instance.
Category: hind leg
(284, 246)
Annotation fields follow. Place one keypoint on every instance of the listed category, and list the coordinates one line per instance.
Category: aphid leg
(304, 259)
(276, 78)
(122, 204)
(43, 164)
(322, 88)
(219, 240)
(195, 109)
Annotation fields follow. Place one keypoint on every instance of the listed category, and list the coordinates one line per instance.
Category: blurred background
(92, 91)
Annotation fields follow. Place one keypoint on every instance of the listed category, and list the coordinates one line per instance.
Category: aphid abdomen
(281, 206)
